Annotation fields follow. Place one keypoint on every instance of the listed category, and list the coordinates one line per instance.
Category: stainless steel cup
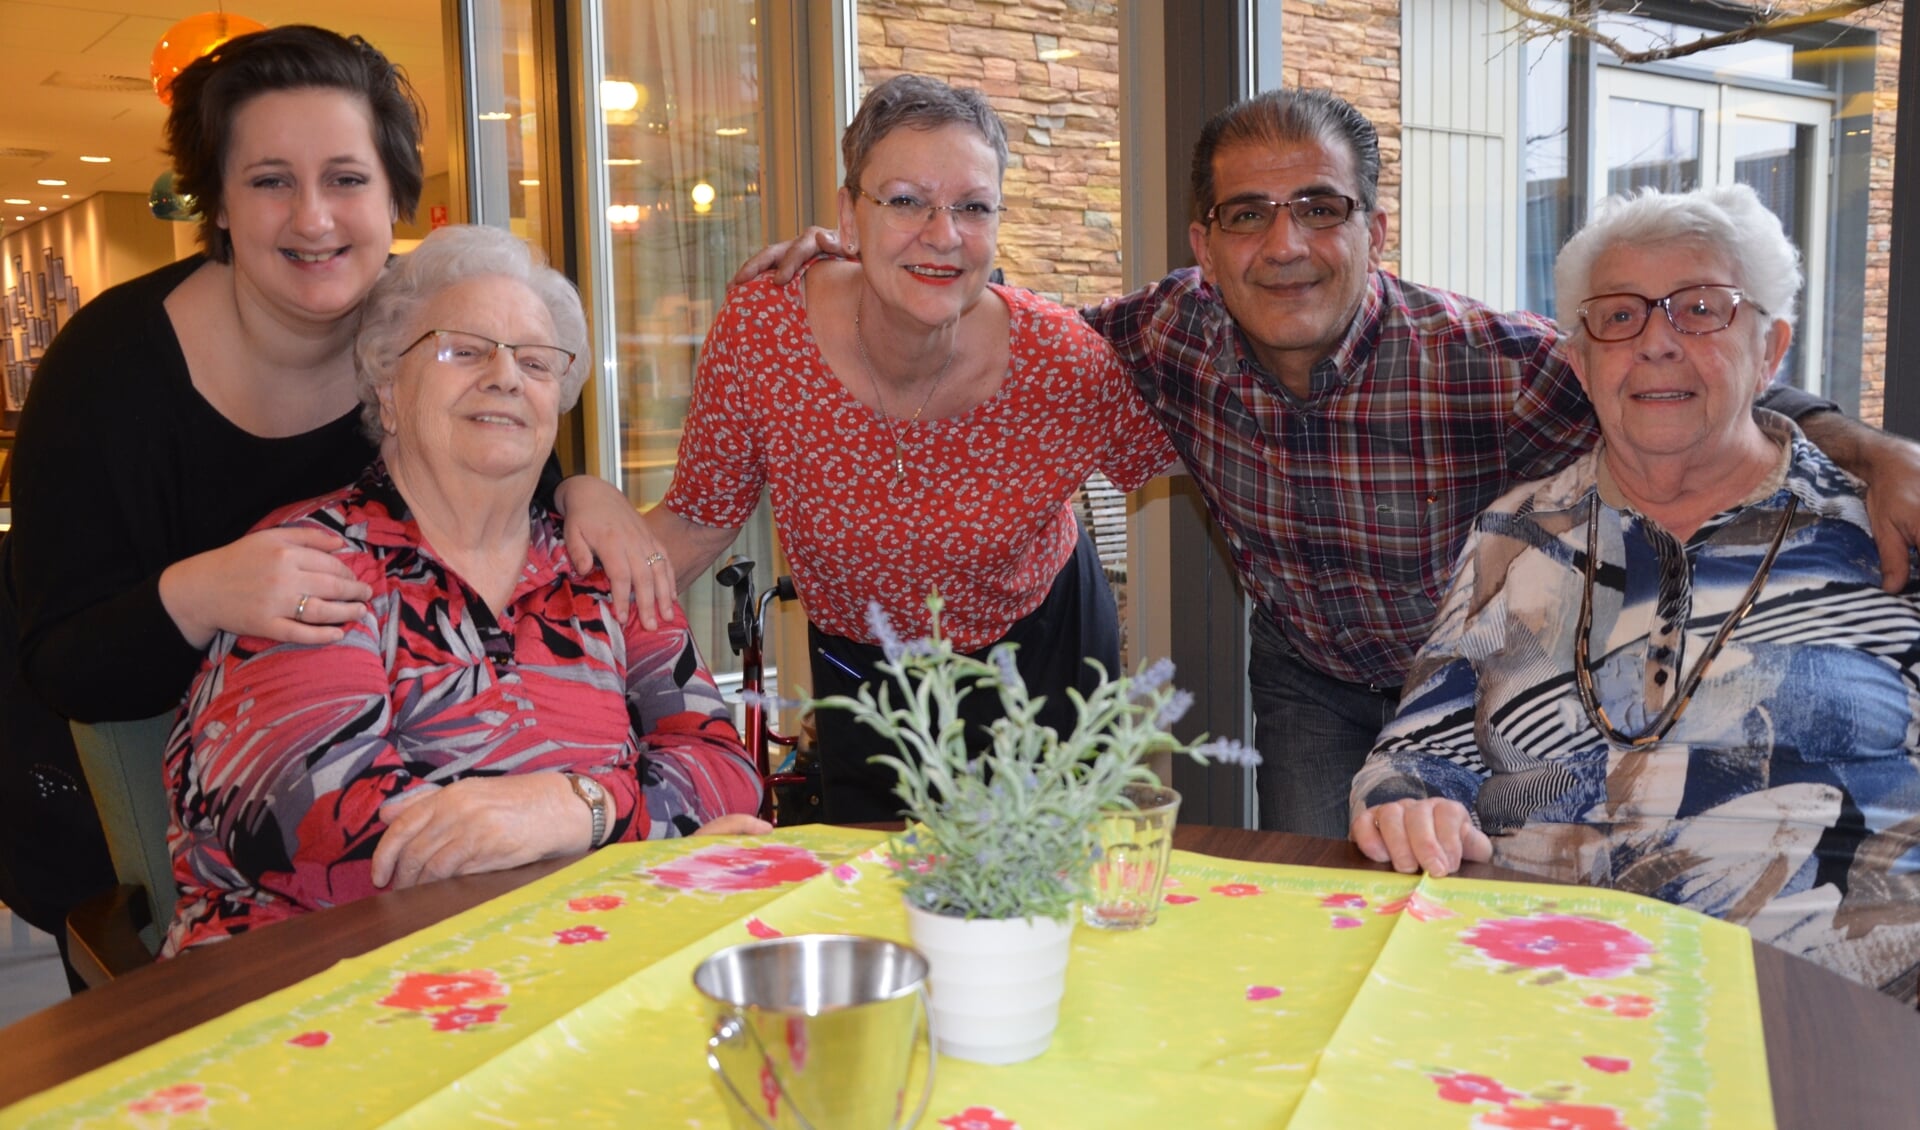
(817, 1032)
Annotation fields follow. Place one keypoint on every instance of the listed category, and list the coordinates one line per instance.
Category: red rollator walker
(792, 791)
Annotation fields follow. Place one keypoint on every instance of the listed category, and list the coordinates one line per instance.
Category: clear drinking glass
(1134, 847)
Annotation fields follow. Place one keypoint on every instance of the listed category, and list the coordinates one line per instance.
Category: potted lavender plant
(999, 847)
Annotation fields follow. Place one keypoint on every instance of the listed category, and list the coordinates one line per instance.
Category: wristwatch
(599, 802)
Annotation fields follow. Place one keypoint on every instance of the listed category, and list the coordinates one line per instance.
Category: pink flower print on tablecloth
(1345, 901)
(421, 991)
(1581, 946)
(761, 930)
(1346, 922)
(846, 873)
(1551, 1116)
(1419, 907)
(461, 1019)
(1611, 1064)
(312, 1040)
(1467, 1087)
(1263, 992)
(577, 935)
(1180, 900)
(979, 1118)
(181, 1098)
(1237, 890)
(1632, 1006)
(732, 868)
(592, 903)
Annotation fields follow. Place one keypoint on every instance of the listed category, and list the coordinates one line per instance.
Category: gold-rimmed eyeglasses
(1695, 310)
(473, 351)
(905, 212)
(1251, 215)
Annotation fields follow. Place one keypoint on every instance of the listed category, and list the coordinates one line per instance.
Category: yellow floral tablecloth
(1267, 996)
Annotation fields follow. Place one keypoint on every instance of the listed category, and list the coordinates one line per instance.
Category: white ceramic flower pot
(996, 984)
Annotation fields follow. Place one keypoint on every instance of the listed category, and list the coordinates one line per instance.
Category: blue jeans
(1312, 731)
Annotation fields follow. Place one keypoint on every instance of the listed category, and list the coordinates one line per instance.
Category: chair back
(124, 764)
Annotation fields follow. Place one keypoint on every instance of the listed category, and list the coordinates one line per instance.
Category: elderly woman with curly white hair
(1671, 668)
(488, 708)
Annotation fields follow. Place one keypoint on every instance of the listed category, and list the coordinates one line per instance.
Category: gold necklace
(1677, 705)
(893, 422)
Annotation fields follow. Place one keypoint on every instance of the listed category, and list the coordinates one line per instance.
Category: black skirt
(1077, 621)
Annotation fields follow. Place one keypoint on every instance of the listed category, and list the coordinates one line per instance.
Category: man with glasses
(1345, 426)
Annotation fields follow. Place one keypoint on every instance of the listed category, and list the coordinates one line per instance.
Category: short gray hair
(917, 102)
(1729, 222)
(447, 256)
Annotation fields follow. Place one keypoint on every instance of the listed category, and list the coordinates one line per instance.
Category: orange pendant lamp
(191, 38)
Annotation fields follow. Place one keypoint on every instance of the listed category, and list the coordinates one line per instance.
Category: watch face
(591, 787)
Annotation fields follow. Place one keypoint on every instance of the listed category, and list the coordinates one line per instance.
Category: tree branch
(1587, 29)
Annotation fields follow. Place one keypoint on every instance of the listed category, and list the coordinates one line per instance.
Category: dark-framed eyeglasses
(1695, 310)
(473, 351)
(905, 212)
(1315, 211)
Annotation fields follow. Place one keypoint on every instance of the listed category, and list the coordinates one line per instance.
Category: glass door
(1677, 135)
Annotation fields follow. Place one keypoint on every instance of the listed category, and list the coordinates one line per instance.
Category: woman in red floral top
(917, 429)
(488, 708)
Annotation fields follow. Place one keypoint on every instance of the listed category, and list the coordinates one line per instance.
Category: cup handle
(933, 1056)
(731, 1028)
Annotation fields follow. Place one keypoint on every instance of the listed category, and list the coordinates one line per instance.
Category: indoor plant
(999, 846)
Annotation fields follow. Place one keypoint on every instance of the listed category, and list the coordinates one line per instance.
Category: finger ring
(655, 559)
(300, 609)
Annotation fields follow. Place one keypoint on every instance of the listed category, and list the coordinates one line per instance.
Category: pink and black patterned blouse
(284, 753)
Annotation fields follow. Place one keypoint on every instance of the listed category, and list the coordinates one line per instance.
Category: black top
(121, 469)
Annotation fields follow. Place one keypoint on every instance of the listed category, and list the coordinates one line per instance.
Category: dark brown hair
(1288, 117)
(209, 92)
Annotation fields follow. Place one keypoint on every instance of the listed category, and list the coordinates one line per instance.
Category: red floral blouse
(284, 753)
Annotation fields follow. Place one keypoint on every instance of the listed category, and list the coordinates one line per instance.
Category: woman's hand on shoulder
(786, 259)
(281, 584)
(478, 824)
(603, 526)
(1434, 835)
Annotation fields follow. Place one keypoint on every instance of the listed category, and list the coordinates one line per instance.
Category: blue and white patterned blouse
(1787, 796)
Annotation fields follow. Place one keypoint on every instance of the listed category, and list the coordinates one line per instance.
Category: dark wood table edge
(1808, 1046)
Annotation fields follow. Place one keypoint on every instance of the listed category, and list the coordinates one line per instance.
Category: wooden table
(1839, 1054)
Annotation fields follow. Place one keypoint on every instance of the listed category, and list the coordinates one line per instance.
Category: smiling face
(492, 420)
(306, 203)
(1665, 394)
(1293, 291)
(934, 273)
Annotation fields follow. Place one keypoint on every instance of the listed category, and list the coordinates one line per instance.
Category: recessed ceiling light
(43, 207)
(15, 200)
(529, 184)
(623, 162)
(20, 218)
(66, 196)
(496, 116)
(96, 160)
(52, 183)
(730, 131)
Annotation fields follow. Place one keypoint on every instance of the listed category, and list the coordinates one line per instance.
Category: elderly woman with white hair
(488, 708)
(1671, 668)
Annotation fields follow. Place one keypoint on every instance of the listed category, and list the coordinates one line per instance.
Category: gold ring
(300, 609)
(655, 559)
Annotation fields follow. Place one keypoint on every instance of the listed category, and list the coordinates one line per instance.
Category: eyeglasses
(1250, 216)
(471, 351)
(1692, 310)
(905, 212)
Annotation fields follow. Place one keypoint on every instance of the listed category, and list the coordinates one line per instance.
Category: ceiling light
(22, 218)
(66, 196)
(702, 195)
(16, 200)
(496, 116)
(616, 94)
(43, 207)
(52, 183)
(730, 131)
(624, 162)
(529, 184)
(97, 160)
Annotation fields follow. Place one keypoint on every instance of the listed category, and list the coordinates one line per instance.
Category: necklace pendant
(899, 469)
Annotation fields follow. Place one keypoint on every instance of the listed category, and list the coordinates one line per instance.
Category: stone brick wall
(1061, 234)
(1886, 20)
(1352, 48)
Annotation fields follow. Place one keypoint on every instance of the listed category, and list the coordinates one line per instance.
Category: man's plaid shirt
(1345, 511)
